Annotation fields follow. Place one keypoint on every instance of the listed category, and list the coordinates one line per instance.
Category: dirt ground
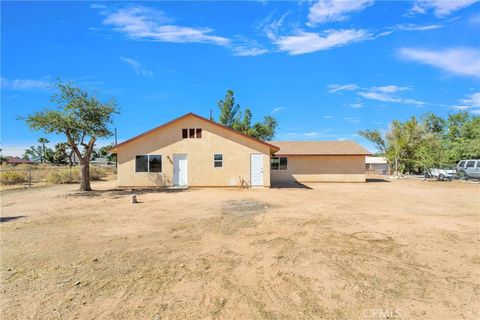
(378, 250)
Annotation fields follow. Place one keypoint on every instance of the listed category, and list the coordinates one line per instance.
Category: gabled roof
(311, 148)
(271, 146)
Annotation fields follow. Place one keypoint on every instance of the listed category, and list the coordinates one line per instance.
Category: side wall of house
(321, 169)
(168, 141)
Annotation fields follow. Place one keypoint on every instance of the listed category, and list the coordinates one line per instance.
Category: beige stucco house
(197, 152)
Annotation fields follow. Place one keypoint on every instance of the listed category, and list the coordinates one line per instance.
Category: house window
(218, 160)
(141, 164)
(279, 163)
(154, 163)
(191, 133)
(148, 163)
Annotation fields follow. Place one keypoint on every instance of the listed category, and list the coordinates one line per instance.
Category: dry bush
(13, 177)
(63, 175)
(97, 173)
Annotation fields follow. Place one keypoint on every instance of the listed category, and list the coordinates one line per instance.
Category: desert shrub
(64, 176)
(13, 177)
(97, 173)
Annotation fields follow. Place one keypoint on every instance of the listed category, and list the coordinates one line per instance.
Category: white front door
(180, 172)
(256, 169)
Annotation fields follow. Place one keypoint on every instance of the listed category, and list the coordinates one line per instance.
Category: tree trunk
(85, 178)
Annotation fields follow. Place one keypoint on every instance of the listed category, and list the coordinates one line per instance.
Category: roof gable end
(272, 147)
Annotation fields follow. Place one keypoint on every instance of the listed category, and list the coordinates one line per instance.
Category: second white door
(180, 170)
(256, 169)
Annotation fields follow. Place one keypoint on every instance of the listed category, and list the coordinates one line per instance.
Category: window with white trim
(218, 160)
(279, 163)
(148, 163)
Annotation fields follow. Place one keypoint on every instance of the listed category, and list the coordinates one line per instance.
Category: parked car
(469, 168)
(440, 174)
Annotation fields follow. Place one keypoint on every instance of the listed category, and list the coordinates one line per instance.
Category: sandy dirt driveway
(378, 250)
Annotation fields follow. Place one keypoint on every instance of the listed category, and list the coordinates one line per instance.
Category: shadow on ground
(377, 180)
(117, 193)
(7, 219)
(291, 185)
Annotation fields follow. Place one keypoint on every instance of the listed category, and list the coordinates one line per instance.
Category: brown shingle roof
(319, 148)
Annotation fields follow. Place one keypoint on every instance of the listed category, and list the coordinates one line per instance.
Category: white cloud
(460, 61)
(334, 10)
(471, 104)
(379, 93)
(328, 117)
(311, 134)
(387, 94)
(417, 27)
(307, 42)
(332, 88)
(378, 96)
(278, 109)
(137, 67)
(390, 89)
(142, 23)
(24, 84)
(356, 105)
(441, 8)
(352, 119)
(245, 47)
(248, 52)
(271, 26)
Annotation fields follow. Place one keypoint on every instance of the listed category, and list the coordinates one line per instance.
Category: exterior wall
(321, 169)
(378, 168)
(168, 141)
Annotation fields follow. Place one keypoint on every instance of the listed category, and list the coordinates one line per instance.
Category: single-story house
(378, 165)
(16, 161)
(197, 152)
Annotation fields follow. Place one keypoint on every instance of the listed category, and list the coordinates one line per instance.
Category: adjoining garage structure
(318, 161)
(196, 152)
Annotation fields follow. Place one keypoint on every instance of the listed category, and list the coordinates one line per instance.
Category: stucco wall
(321, 169)
(168, 141)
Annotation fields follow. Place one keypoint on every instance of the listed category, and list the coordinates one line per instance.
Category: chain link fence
(27, 176)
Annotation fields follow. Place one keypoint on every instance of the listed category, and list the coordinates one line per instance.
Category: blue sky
(324, 69)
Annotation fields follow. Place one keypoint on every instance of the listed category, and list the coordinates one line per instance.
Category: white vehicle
(440, 174)
(469, 168)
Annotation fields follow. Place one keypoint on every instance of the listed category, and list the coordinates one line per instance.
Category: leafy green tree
(60, 155)
(105, 152)
(376, 137)
(43, 141)
(228, 110)
(231, 116)
(34, 154)
(413, 146)
(81, 117)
